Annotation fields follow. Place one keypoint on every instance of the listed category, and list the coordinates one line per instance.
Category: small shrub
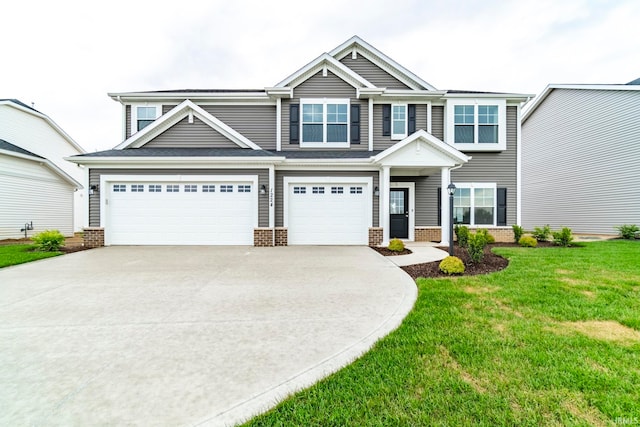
(542, 234)
(527, 242)
(451, 265)
(628, 231)
(477, 242)
(48, 240)
(462, 234)
(396, 245)
(488, 237)
(563, 237)
(518, 232)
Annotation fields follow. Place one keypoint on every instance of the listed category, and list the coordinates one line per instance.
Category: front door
(399, 213)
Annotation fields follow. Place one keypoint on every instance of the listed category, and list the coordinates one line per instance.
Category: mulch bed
(388, 252)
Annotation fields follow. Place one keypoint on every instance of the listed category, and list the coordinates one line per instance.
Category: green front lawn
(552, 339)
(18, 254)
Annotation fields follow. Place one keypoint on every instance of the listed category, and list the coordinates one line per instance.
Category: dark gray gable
(191, 135)
(372, 72)
(329, 86)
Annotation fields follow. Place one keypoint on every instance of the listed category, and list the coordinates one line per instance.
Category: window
(190, 188)
(398, 121)
(173, 188)
(474, 204)
(143, 116)
(244, 189)
(208, 188)
(337, 190)
(477, 125)
(355, 190)
(137, 188)
(299, 190)
(325, 121)
(155, 188)
(318, 190)
(119, 188)
(226, 188)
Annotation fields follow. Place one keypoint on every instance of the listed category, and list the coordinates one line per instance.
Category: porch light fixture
(451, 189)
(376, 191)
(93, 189)
(263, 189)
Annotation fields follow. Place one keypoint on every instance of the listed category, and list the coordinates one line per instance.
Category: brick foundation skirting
(432, 234)
(427, 234)
(93, 237)
(282, 236)
(262, 237)
(375, 236)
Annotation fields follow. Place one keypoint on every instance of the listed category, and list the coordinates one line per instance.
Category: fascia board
(48, 164)
(506, 96)
(180, 96)
(173, 161)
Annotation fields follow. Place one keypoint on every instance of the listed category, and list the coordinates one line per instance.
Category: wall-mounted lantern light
(93, 189)
(263, 189)
(376, 191)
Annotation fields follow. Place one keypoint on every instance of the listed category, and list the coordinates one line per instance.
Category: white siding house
(36, 184)
(581, 158)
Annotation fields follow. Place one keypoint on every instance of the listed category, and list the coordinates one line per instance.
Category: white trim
(518, 168)
(134, 114)
(272, 197)
(429, 118)
(445, 214)
(46, 163)
(411, 186)
(325, 102)
(400, 136)
(385, 179)
(105, 191)
(449, 127)
(278, 124)
(475, 185)
(370, 130)
(333, 65)
(456, 156)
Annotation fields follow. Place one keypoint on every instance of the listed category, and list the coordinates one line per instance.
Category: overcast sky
(64, 56)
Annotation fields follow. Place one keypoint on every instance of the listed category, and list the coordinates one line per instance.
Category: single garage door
(148, 212)
(328, 213)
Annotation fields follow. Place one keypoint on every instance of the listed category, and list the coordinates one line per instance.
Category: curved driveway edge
(186, 335)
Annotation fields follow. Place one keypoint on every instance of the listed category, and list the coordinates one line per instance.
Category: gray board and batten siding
(263, 179)
(280, 190)
(580, 161)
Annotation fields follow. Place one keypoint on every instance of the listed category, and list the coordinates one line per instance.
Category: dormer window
(324, 122)
(143, 115)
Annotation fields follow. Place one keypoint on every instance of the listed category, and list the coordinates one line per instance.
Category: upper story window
(477, 125)
(143, 115)
(324, 122)
(398, 121)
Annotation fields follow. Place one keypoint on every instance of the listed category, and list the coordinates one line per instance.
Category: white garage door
(148, 212)
(328, 213)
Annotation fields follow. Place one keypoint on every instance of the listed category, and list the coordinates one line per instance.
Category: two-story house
(350, 149)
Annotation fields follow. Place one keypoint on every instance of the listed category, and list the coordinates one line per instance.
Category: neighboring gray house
(352, 148)
(581, 158)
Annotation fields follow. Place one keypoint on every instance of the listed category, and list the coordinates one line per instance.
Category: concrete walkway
(185, 335)
(422, 252)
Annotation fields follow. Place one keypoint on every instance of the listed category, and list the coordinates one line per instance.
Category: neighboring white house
(36, 184)
(581, 157)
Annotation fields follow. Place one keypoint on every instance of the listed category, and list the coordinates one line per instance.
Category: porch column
(445, 215)
(385, 179)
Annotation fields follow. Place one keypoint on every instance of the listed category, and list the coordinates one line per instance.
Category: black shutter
(439, 205)
(502, 206)
(386, 120)
(294, 123)
(355, 123)
(411, 115)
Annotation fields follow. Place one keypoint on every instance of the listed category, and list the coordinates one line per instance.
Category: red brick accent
(282, 236)
(432, 234)
(262, 237)
(93, 237)
(427, 234)
(375, 236)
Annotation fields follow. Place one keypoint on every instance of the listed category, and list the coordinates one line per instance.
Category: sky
(64, 56)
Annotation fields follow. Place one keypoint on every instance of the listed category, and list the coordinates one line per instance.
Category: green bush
(563, 237)
(396, 245)
(477, 242)
(518, 232)
(451, 265)
(542, 234)
(462, 235)
(528, 242)
(628, 231)
(488, 237)
(48, 240)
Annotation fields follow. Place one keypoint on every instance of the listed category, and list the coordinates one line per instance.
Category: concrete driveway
(185, 335)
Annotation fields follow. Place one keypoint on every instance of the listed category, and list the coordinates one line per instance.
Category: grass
(19, 254)
(554, 339)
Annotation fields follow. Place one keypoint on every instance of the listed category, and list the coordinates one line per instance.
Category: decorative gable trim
(324, 63)
(175, 115)
(355, 45)
(456, 157)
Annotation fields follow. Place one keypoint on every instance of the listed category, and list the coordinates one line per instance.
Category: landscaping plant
(542, 234)
(563, 237)
(462, 235)
(452, 265)
(628, 231)
(518, 232)
(528, 242)
(48, 240)
(477, 242)
(396, 245)
(487, 236)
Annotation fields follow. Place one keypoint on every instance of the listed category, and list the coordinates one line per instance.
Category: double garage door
(155, 211)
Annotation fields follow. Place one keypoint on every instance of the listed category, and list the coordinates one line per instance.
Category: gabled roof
(12, 150)
(432, 143)
(363, 48)
(29, 110)
(325, 62)
(550, 88)
(178, 113)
